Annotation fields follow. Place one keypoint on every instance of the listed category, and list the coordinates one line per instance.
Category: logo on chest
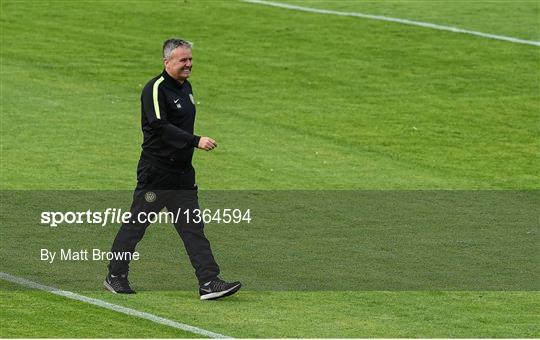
(177, 103)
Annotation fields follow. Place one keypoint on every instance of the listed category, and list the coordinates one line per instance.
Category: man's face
(179, 64)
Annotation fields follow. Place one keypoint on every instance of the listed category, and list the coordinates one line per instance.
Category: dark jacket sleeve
(153, 104)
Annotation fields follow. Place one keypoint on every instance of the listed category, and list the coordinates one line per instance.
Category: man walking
(165, 175)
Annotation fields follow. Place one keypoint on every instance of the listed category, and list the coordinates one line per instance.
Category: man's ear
(165, 61)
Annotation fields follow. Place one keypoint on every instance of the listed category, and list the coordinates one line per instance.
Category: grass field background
(295, 101)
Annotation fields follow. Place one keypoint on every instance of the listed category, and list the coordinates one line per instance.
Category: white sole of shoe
(108, 287)
(211, 296)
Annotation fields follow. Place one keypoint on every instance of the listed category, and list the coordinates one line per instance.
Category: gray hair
(171, 44)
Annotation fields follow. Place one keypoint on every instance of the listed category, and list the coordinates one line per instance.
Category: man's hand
(207, 143)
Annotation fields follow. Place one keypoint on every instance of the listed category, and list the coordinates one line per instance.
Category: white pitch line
(390, 19)
(113, 307)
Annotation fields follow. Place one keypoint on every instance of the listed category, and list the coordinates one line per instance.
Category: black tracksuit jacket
(167, 119)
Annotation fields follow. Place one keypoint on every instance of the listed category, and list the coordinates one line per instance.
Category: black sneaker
(218, 288)
(118, 284)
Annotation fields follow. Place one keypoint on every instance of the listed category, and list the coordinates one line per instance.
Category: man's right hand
(207, 143)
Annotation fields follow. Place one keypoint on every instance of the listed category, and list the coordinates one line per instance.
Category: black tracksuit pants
(156, 189)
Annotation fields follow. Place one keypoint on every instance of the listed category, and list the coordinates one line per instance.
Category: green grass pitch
(295, 101)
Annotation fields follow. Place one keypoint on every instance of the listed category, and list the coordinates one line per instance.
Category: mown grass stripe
(397, 20)
(111, 306)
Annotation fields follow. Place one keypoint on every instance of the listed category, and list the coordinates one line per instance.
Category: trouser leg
(132, 232)
(192, 234)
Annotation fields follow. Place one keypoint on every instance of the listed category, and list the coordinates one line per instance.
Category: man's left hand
(207, 143)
